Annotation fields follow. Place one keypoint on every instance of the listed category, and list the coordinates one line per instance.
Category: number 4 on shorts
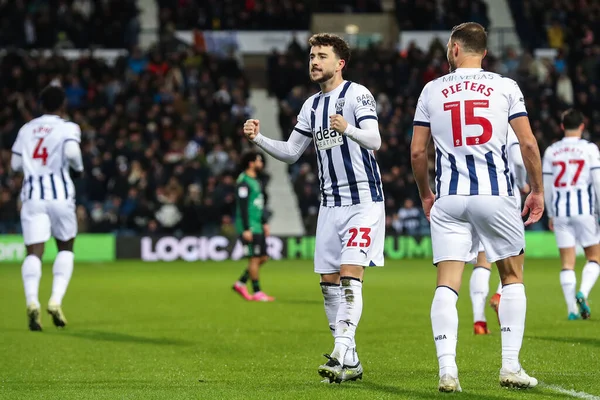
(365, 238)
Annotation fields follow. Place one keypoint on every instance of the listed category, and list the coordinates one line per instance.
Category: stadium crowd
(29, 24)
(161, 137)
(162, 130)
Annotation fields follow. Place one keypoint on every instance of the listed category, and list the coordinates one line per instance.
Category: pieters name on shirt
(328, 138)
(192, 248)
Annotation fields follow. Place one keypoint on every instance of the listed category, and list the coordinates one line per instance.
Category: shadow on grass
(433, 393)
(299, 301)
(123, 338)
(595, 342)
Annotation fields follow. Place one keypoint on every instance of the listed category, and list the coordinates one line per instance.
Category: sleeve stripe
(546, 173)
(367, 117)
(305, 133)
(421, 123)
(17, 153)
(595, 168)
(73, 140)
(517, 115)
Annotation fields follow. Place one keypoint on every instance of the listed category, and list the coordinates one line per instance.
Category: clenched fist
(251, 128)
(337, 123)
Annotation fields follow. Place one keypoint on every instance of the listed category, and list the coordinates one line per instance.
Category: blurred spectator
(408, 220)
(69, 23)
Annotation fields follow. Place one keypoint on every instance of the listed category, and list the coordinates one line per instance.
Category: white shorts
(574, 230)
(460, 223)
(41, 219)
(517, 196)
(352, 235)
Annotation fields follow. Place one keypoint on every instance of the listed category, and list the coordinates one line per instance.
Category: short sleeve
(594, 156)
(73, 132)
(364, 104)
(516, 102)
(17, 147)
(547, 162)
(303, 123)
(422, 113)
(243, 190)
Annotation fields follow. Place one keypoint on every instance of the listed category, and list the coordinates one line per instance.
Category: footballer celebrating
(342, 122)
(467, 112)
(45, 149)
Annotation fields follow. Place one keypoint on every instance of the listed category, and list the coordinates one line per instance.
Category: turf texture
(178, 331)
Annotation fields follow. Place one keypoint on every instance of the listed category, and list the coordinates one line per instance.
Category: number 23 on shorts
(360, 237)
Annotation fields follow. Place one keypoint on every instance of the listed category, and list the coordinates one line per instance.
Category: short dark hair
(249, 157)
(52, 98)
(471, 35)
(339, 45)
(572, 119)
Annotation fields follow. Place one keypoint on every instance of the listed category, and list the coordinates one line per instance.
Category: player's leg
(35, 224)
(566, 240)
(64, 229)
(479, 287)
(502, 234)
(587, 235)
(240, 286)
(454, 242)
(260, 250)
(362, 233)
(327, 265)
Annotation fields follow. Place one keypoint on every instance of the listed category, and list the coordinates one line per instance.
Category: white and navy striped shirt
(468, 112)
(41, 146)
(569, 162)
(348, 173)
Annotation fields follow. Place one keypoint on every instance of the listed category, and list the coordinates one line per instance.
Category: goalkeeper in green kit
(251, 225)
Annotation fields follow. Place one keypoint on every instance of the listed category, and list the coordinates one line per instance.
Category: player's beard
(324, 77)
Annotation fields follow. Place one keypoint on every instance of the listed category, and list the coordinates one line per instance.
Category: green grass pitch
(178, 331)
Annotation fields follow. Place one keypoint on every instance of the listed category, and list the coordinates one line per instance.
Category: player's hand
(551, 224)
(534, 206)
(251, 128)
(266, 230)
(427, 203)
(337, 123)
(247, 235)
(526, 189)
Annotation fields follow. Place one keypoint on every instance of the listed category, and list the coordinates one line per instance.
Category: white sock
(331, 300)
(348, 316)
(479, 287)
(511, 312)
(444, 322)
(568, 281)
(499, 289)
(590, 273)
(32, 273)
(62, 270)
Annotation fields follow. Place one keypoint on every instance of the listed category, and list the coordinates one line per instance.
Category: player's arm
(548, 183)
(514, 154)
(595, 171)
(288, 152)
(243, 194)
(530, 152)
(365, 130)
(72, 151)
(16, 159)
(517, 117)
(418, 151)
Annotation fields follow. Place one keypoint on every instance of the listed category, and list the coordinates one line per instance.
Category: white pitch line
(569, 392)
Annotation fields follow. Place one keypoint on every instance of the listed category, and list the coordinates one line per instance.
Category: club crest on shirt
(339, 105)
